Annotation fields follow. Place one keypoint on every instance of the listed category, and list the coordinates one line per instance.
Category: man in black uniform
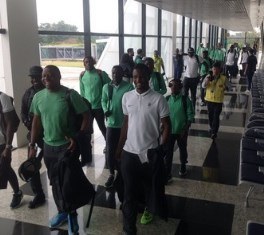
(35, 73)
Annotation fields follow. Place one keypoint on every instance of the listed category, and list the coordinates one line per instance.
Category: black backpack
(83, 139)
(15, 117)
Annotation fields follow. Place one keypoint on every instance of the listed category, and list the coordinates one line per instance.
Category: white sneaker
(247, 91)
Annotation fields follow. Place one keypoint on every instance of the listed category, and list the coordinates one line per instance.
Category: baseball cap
(35, 71)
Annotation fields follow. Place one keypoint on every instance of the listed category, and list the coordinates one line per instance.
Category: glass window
(151, 45)
(66, 52)
(205, 30)
(179, 43)
(132, 17)
(193, 42)
(166, 55)
(187, 25)
(178, 25)
(193, 27)
(198, 31)
(186, 44)
(132, 42)
(60, 15)
(166, 23)
(104, 20)
(109, 53)
(151, 20)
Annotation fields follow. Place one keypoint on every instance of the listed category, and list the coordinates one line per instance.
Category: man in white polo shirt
(142, 141)
(191, 78)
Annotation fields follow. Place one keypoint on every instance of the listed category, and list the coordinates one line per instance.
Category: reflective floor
(209, 200)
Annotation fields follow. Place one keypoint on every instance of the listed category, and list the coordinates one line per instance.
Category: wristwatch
(8, 146)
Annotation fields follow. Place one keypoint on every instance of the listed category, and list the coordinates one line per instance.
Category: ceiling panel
(237, 15)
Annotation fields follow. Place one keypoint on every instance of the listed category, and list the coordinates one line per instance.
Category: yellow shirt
(215, 89)
(158, 62)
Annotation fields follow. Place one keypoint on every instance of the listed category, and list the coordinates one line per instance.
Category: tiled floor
(208, 201)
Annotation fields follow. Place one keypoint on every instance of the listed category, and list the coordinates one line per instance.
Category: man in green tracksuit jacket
(92, 81)
(181, 116)
(156, 82)
(112, 105)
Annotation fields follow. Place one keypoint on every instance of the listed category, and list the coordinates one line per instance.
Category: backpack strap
(184, 104)
(100, 73)
(110, 95)
(82, 74)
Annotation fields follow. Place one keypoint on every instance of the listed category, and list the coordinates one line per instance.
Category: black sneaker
(213, 136)
(110, 182)
(38, 200)
(183, 170)
(16, 200)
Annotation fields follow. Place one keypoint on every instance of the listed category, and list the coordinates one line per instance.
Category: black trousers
(52, 154)
(182, 144)
(112, 137)
(134, 174)
(9, 171)
(249, 79)
(98, 115)
(214, 111)
(190, 84)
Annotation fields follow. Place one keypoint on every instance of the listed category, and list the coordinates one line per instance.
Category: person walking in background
(156, 81)
(192, 77)
(158, 63)
(139, 57)
(92, 81)
(205, 67)
(178, 64)
(181, 116)
(127, 68)
(243, 61)
(230, 63)
(7, 130)
(35, 73)
(130, 52)
(215, 85)
(250, 68)
(112, 105)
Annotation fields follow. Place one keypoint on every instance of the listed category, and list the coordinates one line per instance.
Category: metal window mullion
(143, 28)
(121, 28)
(190, 32)
(195, 39)
(183, 32)
(87, 28)
(159, 29)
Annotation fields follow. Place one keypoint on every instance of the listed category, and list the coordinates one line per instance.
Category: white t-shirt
(230, 59)
(192, 69)
(144, 112)
(6, 107)
(244, 57)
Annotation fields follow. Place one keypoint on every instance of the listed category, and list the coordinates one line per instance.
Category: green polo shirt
(53, 109)
(219, 55)
(115, 120)
(205, 67)
(91, 86)
(178, 116)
